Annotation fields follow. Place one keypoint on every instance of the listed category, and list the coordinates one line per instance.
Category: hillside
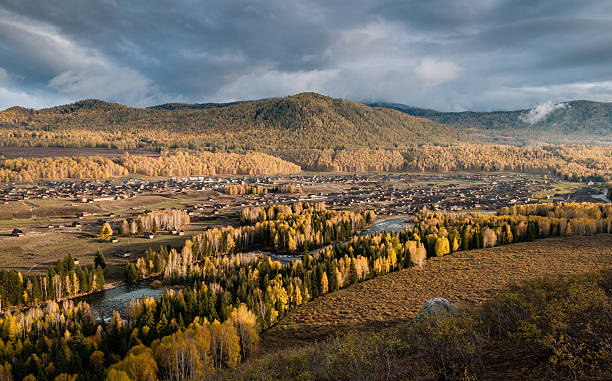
(575, 121)
(305, 121)
(545, 328)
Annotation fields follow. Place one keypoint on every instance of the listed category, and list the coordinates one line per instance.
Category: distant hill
(303, 121)
(570, 122)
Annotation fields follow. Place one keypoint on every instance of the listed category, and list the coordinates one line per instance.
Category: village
(387, 193)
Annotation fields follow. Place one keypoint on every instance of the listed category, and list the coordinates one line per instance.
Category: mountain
(571, 122)
(303, 121)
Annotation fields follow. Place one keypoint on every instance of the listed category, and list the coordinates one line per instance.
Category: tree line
(446, 233)
(176, 164)
(575, 162)
(154, 221)
(207, 164)
(571, 162)
(78, 167)
(243, 188)
(295, 228)
(65, 279)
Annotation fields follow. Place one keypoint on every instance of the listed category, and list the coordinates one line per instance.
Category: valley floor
(464, 278)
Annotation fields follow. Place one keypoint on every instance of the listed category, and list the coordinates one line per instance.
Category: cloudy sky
(443, 54)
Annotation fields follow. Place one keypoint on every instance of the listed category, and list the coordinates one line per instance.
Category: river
(392, 225)
(603, 196)
(118, 298)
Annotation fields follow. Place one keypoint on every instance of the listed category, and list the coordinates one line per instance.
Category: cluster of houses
(386, 193)
(89, 191)
(406, 193)
(394, 193)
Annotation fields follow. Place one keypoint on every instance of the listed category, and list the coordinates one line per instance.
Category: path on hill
(464, 278)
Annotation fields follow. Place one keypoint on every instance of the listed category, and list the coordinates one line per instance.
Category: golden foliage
(573, 162)
(177, 164)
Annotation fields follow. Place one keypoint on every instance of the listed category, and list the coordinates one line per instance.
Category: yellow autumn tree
(224, 344)
(324, 284)
(106, 230)
(244, 321)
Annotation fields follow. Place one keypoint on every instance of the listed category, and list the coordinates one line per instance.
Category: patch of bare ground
(12, 152)
(464, 278)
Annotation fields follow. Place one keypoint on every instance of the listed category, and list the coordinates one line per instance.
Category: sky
(449, 55)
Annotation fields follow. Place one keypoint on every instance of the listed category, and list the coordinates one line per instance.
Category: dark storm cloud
(445, 54)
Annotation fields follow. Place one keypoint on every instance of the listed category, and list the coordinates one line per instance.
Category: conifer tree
(332, 277)
(99, 260)
(353, 272)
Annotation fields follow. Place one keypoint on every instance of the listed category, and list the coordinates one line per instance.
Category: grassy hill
(304, 121)
(578, 121)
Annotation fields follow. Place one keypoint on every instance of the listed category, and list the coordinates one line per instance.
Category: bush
(452, 345)
(566, 319)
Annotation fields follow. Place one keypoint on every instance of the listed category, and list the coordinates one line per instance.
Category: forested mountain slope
(570, 122)
(302, 121)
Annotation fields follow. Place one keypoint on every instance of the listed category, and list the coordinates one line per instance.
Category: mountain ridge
(304, 121)
(271, 124)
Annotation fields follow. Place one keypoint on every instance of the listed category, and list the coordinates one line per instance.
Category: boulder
(437, 307)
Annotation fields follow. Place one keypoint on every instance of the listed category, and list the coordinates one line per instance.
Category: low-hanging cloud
(541, 111)
(433, 71)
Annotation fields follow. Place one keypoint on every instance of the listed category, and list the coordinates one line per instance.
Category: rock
(437, 307)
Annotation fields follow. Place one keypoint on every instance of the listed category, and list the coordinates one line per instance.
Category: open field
(55, 210)
(42, 246)
(38, 250)
(12, 152)
(465, 278)
(562, 187)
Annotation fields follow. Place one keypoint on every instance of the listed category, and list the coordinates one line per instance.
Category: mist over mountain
(577, 121)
